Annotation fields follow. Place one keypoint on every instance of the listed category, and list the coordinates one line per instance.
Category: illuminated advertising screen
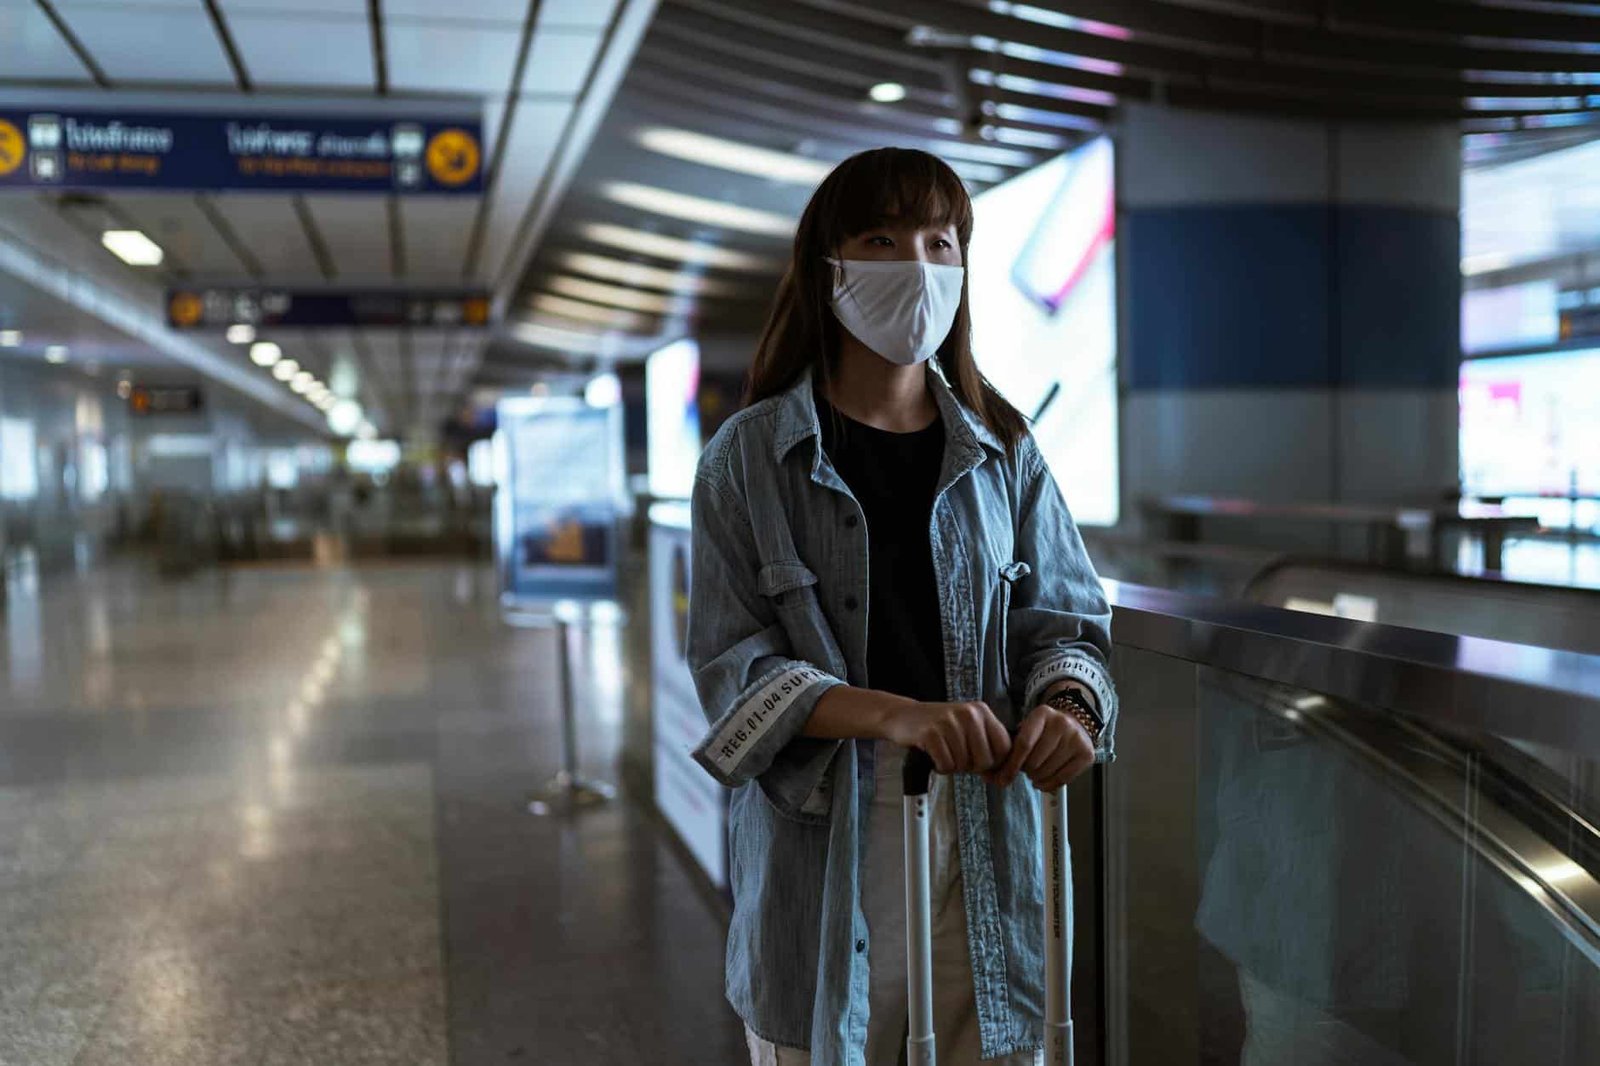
(1041, 273)
(1530, 425)
(672, 416)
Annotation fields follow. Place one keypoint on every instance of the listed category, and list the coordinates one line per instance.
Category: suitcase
(920, 1049)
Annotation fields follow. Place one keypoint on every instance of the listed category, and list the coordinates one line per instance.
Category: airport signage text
(165, 400)
(70, 148)
(218, 308)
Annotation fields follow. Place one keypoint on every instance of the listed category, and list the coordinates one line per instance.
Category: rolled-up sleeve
(754, 692)
(1059, 622)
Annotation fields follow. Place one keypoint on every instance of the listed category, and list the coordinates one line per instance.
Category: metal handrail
(1513, 690)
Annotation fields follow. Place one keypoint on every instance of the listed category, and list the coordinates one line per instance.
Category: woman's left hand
(1051, 747)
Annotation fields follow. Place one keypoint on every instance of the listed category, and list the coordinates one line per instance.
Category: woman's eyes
(942, 243)
(885, 242)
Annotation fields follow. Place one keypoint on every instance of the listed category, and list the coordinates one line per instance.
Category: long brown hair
(902, 185)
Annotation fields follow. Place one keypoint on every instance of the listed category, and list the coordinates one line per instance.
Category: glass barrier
(1286, 874)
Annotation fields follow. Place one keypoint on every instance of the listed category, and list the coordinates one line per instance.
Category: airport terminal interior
(357, 363)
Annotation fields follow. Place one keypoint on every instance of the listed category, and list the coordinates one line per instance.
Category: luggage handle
(1058, 1043)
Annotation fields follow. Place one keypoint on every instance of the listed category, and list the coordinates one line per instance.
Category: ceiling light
(887, 92)
(264, 353)
(344, 417)
(587, 312)
(617, 296)
(56, 353)
(301, 382)
(640, 276)
(661, 246)
(285, 369)
(732, 155)
(241, 333)
(603, 390)
(563, 340)
(697, 209)
(132, 247)
(366, 431)
(325, 401)
(10, 338)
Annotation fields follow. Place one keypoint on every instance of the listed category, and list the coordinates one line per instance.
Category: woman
(978, 633)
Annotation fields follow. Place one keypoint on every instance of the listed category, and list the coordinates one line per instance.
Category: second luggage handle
(920, 1050)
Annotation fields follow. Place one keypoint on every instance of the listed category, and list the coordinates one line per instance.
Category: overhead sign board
(81, 148)
(165, 400)
(220, 307)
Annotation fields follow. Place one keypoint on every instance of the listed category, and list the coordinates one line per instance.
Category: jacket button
(861, 945)
(852, 521)
(850, 603)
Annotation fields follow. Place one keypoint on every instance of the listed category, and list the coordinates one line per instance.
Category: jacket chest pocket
(1010, 574)
(791, 588)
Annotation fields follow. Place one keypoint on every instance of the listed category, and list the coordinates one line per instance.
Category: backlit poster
(1042, 281)
(560, 483)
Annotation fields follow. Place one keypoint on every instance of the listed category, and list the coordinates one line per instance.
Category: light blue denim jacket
(778, 615)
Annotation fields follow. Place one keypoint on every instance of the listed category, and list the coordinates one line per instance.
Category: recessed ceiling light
(10, 338)
(732, 155)
(285, 369)
(301, 382)
(241, 333)
(366, 431)
(56, 353)
(641, 276)
(660, 201)
(132, 247)
(661, 246)
(887, 92)
(563, 340)
(618, 296)
(265, 353)
(345, 417)
(587, 312)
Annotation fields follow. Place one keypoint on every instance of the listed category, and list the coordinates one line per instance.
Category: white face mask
(901, 309)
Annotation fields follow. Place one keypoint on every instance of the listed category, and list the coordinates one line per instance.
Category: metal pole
(569, 714)
(1058, 1049)
(569, 789)
(919, 927)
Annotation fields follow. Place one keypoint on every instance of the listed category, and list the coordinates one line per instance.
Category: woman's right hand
(959, 737)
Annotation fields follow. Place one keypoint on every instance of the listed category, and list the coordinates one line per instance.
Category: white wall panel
(532, 139)
(144, 42)
(559, 61)
(436, 230)
(356, 230)
(305, 50)
(31, 49)
(453, 57)
(267, 225)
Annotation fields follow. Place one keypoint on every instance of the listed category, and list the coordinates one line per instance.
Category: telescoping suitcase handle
(920, 1049)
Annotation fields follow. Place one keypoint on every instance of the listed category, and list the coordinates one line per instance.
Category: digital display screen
(1530, 425)
(1041, 274)
(672, 414)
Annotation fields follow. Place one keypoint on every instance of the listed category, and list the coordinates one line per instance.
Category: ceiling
(530, 69)
(587, 104)
(995, 88)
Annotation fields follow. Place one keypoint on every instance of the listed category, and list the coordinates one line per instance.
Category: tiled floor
(277, 816)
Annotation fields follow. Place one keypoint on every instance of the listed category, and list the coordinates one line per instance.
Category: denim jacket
(778, 615)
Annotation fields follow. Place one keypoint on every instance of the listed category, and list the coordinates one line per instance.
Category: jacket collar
(797, 418)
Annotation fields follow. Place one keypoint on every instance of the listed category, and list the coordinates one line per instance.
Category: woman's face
(929, 244)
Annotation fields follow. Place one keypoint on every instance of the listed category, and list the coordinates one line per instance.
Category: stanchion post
(569, 789)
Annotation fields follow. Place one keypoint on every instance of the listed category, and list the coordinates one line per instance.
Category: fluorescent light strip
(132, 247)
(660, 201)
(544, 336)
(640, 276)
(662, 246)
(732, 155)
(617, 296)
(587, 312)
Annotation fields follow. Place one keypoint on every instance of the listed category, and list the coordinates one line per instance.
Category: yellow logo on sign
(13, 149)
(184, 309)
(453, 157)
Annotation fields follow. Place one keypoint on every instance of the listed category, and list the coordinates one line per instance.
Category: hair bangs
(900, 186)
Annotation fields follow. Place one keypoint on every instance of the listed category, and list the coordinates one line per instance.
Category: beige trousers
(883, 901)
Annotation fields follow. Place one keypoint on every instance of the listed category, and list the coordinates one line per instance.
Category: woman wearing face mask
(882, 561)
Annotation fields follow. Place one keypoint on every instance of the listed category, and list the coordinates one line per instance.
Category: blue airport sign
(220, 307)
(76, 148)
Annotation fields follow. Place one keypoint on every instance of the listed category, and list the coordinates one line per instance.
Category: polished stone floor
(278, 816)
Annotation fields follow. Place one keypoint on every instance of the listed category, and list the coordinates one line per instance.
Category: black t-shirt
(893, 476)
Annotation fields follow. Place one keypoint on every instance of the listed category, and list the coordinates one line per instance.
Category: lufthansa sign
(71, 148)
